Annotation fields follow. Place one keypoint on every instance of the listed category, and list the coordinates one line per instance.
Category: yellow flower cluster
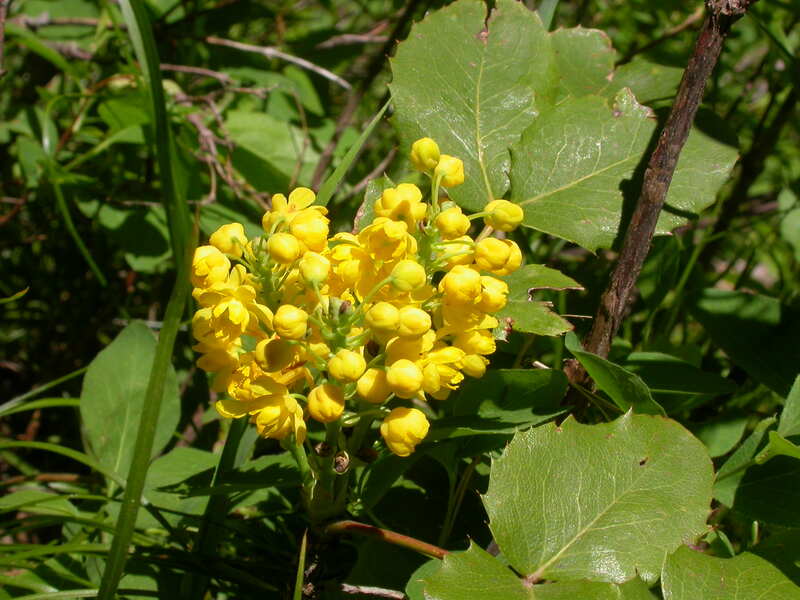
(298, 324)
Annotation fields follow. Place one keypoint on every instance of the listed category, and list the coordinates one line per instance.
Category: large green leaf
(690, 575)
(477, 574)
(574, 169)
(599, 502)
(756, 332)
(471, 87)
(113, 396)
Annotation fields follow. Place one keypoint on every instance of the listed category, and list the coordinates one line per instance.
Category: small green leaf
(366, 212)
(777, 446)
(691, 575)
(731, 473)
(607, 501)
(532, 317)
(721, 435)
(530, 278)
(789, 423)
(113, 395)
(626, 389)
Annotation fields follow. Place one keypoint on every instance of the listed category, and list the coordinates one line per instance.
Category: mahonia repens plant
(296, 324)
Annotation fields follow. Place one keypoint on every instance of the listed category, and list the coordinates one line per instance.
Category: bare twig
(658, 176)
(392, 537)
(349, 39)
(3, 11)
(690, 21)
(271, 52)
(223, 78)
(376, 172)
(376, 592)
(354, 99)
(45, 20)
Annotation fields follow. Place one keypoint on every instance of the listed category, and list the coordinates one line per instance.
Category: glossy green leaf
(470, 86)
(532, 317)
(691, 575)
(608, 501)
(477, 574)
(782, 549)
(530, 278)
(731, 472)
(721, 435)
(755, 331)
(770, 492)
(648, 81)
(113, 395)
(626, 389)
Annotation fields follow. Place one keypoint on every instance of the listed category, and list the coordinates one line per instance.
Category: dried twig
(3, 10)
(376, 172)
(392, 537)
(223, 78)
(689, 22)
(354, 99)
(271, 52)
(349, 39)
(722, 14)
(369, 590)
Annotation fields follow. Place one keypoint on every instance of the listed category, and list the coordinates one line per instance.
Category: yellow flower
(403, 429)
(413, 322)
(503, 215)
(281, 417)
(283, 248)
(275, 354)
(451, 169)
(493, 295)
(326, 403)
(440, 372)
(452, 223)
(310, 228)
(409, 349)
(474, 365)
(385, 239)
(476, 341)
(229, 239)
(425, 154)
(314, 268)
(209, 266)
(459, 251)
(383, 317)
(403, 203)
(282, 209)
(500, 257)
(250, 389)
(461, 285)
(408, 275)
(346, 365)
(290, 322)
(404, 378)
(373, 386)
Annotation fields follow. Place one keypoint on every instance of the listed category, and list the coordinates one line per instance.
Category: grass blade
(329, 186)
(301, 568)
(42, 388)
(73, 232)
(37, 404)
(547, 10)
(141, 35)
(69, 453)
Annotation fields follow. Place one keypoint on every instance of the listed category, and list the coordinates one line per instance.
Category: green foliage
(123, 122)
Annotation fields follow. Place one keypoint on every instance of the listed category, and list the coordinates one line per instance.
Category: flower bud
(451, 169)
(373, 386)
(425, 154)
(326, 403)
(408, 275)
(383, 317)
(461, 285)
(500, 257)
(283, 248)
(503, 215)
(414, 322)
(403, 203)
(346, 365)
(494, 294)
(474, 365)
(229, 239)
(314, 268)
(290, 322)
(403, 429)
(452, 223)
(476, 341)
(209, 266)
(275, 354)
(404, 378)
(310, 228)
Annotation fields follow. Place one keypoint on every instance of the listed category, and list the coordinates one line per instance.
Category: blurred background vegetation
(264, 96)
